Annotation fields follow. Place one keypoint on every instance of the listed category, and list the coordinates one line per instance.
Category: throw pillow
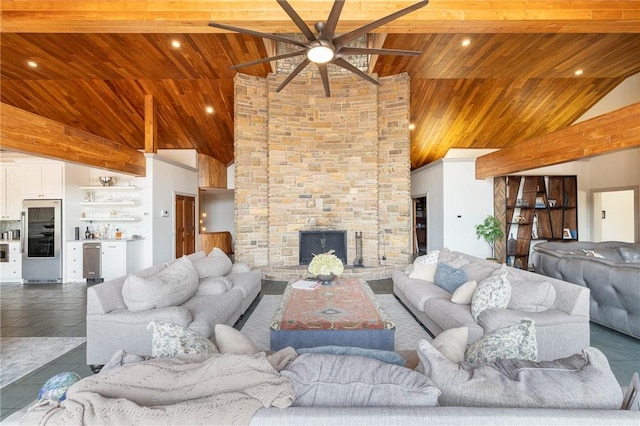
(232, 341)
(453, 259)
(492, 292)
(530, 296)
(448, 277)
(464, 293)
(214, 285)
(171, 340)
(513, 342)
(56, 387)
(431, 258)
(172, 286)
(452, 343)
(581, 381)
(479, 271)
(324, 380)
(424, 272)
(216, 264)
(384, 356)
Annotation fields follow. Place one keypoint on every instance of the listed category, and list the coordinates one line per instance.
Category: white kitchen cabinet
(73, 262)
(10, 192)
(11, 271)
(121, 257)
(42, 181)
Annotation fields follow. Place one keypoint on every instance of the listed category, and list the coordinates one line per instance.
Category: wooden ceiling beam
(453, 16)
(28, 133)
(606, 133)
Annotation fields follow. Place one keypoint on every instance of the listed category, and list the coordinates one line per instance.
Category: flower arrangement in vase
(326, 266)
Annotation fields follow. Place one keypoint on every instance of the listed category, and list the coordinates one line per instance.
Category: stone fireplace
(306, 162)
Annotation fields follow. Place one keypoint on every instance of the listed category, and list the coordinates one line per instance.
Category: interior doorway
(615, 214)
(185, 207)
(420, 222)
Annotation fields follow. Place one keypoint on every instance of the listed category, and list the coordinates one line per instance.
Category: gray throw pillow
(384, 356)
(324, 380)
(581, 381)
(216, 264)
(172, 286)
(448, 277)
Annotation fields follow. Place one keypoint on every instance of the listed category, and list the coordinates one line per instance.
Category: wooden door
(185, 225)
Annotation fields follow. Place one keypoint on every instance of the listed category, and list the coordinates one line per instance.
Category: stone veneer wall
(304, 161)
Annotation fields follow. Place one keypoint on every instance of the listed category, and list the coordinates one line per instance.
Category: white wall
(626, 93)
(219, 206)
(169, 179)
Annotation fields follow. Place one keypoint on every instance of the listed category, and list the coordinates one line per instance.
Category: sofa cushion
(452, 343)
(455, 260)
(449, 277)
(213, 285)
(207, 311)
(479, 271)
(216, 264)
(232, 341)
(581, 381)
(172, 286)
(423, 272)
(384, 356)
(492, 292)
(173, 340)
(324, 380)
(513, 342)
(528, 295)
(630, 253)
(419, 292)
(464, 293)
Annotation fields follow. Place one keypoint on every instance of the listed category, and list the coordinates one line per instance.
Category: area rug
(408, 331)
(20, 356)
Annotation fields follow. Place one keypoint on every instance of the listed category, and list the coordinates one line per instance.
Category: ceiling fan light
(320, 54)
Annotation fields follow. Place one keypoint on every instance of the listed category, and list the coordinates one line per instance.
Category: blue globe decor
(56, 387)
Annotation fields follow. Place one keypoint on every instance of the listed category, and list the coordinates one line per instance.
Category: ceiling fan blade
(275, 37)
(346, 51)
(332, 21)
(346, 65)
(346, 38)
(269, 59)
(297, 20)
(294, 73)
(325, 79)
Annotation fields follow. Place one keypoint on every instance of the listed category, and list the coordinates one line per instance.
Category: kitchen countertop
(106, 240)
(3, 241)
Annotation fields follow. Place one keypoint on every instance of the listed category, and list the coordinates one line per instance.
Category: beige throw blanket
(199, 389)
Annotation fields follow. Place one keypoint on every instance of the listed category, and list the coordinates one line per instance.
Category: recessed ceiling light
(466, 42)
(175, 43)
(209, 110)
(578, 72)
(412, 126)
(32, 64)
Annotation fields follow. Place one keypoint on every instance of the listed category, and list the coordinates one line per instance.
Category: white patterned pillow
(513, 342)
(430, 258)
(171, 340)
(492, 292)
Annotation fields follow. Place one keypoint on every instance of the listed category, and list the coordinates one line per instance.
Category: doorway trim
(414, 249)
(636, 210)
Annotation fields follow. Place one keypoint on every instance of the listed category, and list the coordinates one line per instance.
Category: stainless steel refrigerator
(41, 241)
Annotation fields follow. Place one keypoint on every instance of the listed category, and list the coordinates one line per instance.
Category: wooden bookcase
(537, 208)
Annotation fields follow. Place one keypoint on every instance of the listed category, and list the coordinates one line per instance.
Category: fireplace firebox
(316, 242)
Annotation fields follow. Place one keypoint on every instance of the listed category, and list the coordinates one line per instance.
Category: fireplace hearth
(321, 241)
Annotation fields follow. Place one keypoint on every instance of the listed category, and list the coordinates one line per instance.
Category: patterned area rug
(408, 331)
(20, 356)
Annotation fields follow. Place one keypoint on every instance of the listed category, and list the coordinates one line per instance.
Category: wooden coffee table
(345, 313)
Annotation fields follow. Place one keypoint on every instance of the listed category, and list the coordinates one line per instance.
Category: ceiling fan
(325, 47)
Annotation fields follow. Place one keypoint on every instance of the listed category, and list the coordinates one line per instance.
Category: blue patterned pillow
(492, 292)
(56, 387)
(513, 342)
(449, 278)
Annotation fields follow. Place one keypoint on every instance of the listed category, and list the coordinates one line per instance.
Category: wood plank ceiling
(513, 82)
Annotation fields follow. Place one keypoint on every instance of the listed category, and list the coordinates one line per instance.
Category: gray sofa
(610, 270)
(112, 325)
(562, 329)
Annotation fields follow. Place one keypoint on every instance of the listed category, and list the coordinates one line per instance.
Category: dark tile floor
(60, 310)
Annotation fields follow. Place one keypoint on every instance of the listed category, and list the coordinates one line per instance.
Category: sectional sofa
(560, 310)
(610, 270)
(201, 291)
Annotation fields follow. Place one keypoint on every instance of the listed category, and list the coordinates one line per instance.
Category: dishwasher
(92, 262)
